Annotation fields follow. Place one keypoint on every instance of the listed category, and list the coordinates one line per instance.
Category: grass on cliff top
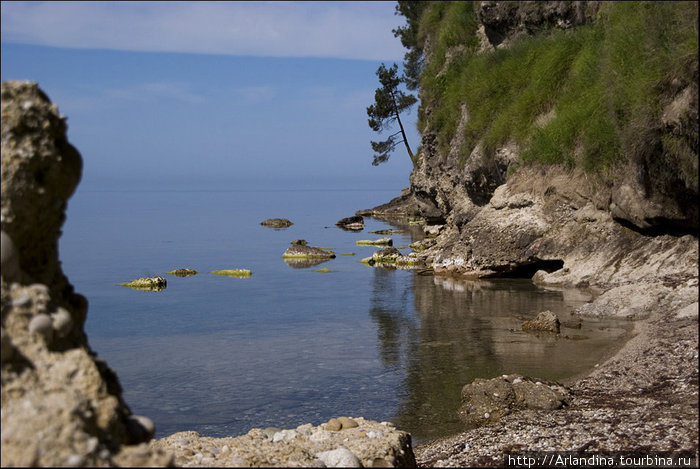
(584, 97)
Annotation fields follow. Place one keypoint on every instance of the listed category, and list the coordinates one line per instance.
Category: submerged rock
(182, 272)
(487, 400)
(235, 273)
(354, 223)
(277, 223)
(546, 321)
(156, 283)
(375, 242)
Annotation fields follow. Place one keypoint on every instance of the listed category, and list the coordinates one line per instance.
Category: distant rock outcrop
(61, 405)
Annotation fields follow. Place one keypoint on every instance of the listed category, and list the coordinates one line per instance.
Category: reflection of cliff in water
(445, 332)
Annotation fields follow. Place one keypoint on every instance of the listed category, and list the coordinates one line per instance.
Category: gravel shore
(643, 399)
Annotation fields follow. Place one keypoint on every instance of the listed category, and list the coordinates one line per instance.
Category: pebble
(333, 425)
(284, 435)
(23, 300)
(75, 460)
(269, 432)
(347, 422)
(62, 321)
(41, 324)
(340, 457)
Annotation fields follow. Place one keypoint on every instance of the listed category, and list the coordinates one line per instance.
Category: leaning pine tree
(389, 102)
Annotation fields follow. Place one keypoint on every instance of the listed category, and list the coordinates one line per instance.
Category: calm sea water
(289, 345)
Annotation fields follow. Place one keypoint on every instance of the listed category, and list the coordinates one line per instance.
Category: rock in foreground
(487, 400)
(61, 405)
(362, 443)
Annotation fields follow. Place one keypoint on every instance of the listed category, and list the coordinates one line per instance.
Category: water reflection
(459, 330)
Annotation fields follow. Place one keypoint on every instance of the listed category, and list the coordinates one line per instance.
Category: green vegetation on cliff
(588, 96)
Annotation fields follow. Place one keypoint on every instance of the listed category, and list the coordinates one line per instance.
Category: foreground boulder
(302, 251)
(61, 405)
(342, 442)
(487, 400)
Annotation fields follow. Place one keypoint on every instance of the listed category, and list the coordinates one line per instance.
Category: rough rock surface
(484, 401)
(302, 251)
(354, 223)
(365, 443)
(277, 223)
(61, 405)
(546, 321)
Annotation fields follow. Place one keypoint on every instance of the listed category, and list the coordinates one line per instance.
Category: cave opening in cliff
(528, 270)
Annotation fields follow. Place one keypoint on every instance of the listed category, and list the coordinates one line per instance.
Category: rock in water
(277, 223)
(355, 223)
(546, 321)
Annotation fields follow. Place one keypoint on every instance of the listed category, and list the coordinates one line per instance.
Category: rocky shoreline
(62, 405)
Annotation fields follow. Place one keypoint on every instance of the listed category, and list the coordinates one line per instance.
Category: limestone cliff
(61, 404)
(544, 149)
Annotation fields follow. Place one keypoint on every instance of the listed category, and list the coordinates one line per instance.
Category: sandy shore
(644, 399)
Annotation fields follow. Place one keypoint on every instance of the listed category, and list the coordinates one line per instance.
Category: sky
(213, 95)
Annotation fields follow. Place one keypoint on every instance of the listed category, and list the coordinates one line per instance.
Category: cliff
(558, 139)
(61, 404)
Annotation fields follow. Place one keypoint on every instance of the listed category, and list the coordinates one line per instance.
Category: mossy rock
(182, 272)
(347, 254)
(375, 242)
(235, 273)
(156, 283)
(386, 232)
(325, 270)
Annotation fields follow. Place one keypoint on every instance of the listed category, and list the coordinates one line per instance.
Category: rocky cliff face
(507, 218)
(61, 405)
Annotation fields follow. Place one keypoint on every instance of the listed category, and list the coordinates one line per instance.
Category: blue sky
(213, 95)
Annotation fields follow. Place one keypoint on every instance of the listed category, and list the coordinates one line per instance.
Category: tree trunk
(403, 134)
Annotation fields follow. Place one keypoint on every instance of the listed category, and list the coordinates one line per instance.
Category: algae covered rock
(375, 242)
(277, 223)
(156, 283)
(235, 273)
(182, 272)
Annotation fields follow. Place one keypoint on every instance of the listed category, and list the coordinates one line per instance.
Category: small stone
(40, 324)
(23, 300)
(62, 321)
(299, 242)
(340, 457)
(269, 432)
(347, 422)
(333, 425)
(487, 415)
(75, 460)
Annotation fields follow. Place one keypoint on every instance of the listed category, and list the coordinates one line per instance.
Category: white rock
(341, 457)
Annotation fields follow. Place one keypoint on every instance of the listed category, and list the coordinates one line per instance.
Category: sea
(290, 345)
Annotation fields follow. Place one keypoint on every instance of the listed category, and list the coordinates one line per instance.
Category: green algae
(182, 272)
(235, 273)
(325, 270)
